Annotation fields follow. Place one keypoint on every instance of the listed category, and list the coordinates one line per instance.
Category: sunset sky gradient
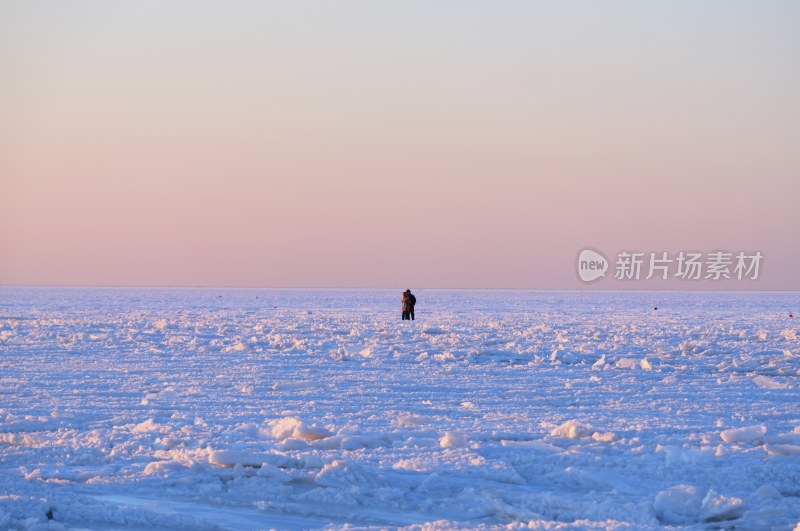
(408, 144)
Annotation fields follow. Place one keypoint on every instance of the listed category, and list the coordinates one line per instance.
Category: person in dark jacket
(411, 301)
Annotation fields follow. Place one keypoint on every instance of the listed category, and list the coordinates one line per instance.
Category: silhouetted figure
(412, 300)
(408, 300)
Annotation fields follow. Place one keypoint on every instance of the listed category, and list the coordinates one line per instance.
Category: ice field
(243, 409)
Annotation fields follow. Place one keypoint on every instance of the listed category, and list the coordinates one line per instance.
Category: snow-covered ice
(215, 409)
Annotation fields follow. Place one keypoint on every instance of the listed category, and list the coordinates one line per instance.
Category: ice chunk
(768, 492)
(411, 419)
(453, 440)
(768, 383)
(311, 433)
(237, 347)
(291, 427)
(146, 426)
(678, 505)
(344, 474)
(538, 446)
(230, 458)
(749, 434)
(416, 464)
(357, 442)
(604, 437)
(421, 442)
(567, 357)
(164, 397)
(273, 472)
(716, 507)
(633, 364)
(782, 449)
(291, 444)
(16, 439)
(572, 429)
(676, 456)
(686, 504)
(284, 428)
(291, 386)
(444, 356)
(165, 466)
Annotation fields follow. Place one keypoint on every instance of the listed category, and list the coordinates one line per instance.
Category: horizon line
(249, 287)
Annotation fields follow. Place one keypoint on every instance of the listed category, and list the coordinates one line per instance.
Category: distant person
(412, 300)
(404, 304)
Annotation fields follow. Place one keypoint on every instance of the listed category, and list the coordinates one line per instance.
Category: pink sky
(409, 145)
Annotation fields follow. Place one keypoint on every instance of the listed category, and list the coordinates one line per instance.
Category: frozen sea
(210, 409)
